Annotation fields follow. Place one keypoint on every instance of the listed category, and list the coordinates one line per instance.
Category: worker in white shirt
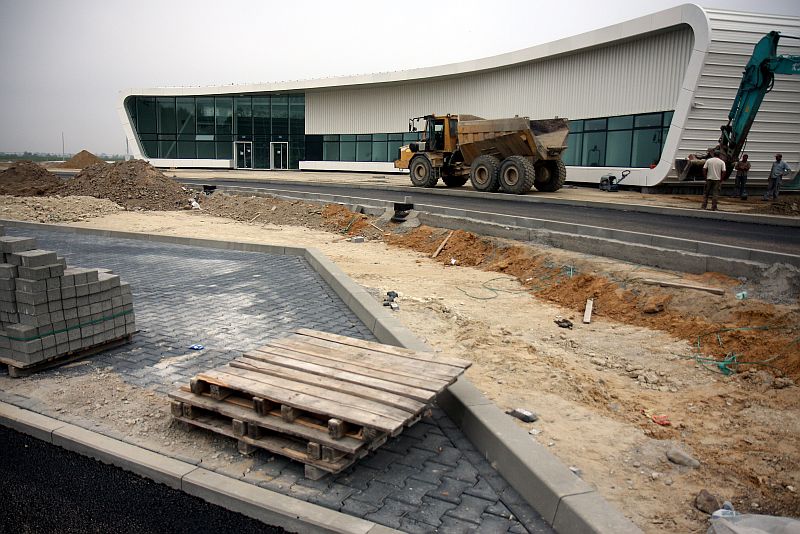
(713, 170)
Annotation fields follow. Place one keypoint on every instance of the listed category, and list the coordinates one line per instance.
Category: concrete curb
(754, 218)
(606, 240)
(253, 501)
(564, 500)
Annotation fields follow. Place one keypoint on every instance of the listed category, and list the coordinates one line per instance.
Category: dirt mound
(55, 209)
(262, 210)
(719, 326)
(81, 160)
(27, 179)
(790, 206)
(133, 184)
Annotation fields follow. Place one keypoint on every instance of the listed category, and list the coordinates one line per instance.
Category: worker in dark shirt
(742, 168)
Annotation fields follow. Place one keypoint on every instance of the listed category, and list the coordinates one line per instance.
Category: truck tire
(454, 181)
(516, 175)
(422, 174)
(484, 173)
(550, 176)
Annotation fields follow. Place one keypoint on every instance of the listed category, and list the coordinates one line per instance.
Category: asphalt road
(749, 235)
(44, 488)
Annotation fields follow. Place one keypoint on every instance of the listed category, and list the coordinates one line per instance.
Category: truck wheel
(516, 175)
(454, 181)
(422, 174)
(550, 175)
(484, 173)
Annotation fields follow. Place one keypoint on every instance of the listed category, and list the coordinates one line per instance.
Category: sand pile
(55, 209)
(81, 160)
(132, 184)
(262, 210)
(27, 179)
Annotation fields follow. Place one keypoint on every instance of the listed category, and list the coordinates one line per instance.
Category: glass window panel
(205, 116)
(130, 106)
(313, 147)
(653, 119)
(347, 151)
(297, 99)
(166, 114)
(576, 126)
(150, 148)
(394, 150)
(364, 137)
(572, 155)
(594, 125)
(204, 137)
(244, 115)
(364, 149)
(667, 118)
(297, 119)
(224, 149)
(379, 150)
(646, 147)
(185, 115)
(167, 149)
(224, 113)
(411, 136)
(380, 137)
(594, 149)
(330, 137)
(395, 137)
(186, 137)
(260, 153)
(261, 115)
(347, 137)
(618, 149)
(280, 115)
(205, 150)
(620, 123)
(297, 151)
(330, 151)
(146, 114)
(187, 150)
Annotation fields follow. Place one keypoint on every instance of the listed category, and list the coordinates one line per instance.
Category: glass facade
(624, 141)
(206, 127)
(377, 147)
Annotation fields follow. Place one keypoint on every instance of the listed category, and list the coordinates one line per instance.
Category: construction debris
(587, 314)
(526, 416)
(442, 245)
(321, 399)
(682, 285)
(28, 179)
(51, 313)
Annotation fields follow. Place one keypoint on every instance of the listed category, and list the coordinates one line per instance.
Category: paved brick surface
(428, 479)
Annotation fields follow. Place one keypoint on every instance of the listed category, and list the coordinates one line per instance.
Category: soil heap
(27, 179)
(133, 184)
(81, 160)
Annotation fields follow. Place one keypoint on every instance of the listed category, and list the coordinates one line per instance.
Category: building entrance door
(244, 154)
(278, 155)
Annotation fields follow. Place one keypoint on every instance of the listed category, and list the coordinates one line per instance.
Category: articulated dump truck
(512, 155)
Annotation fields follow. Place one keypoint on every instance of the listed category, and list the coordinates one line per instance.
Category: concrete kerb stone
(27, 422)
(540, 478)
(586, 513)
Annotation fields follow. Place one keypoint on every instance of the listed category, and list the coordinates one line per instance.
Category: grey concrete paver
(234, 301)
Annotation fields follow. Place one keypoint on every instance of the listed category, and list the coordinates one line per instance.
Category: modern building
(638, 95)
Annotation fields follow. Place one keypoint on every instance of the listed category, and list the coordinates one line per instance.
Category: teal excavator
(757, 81)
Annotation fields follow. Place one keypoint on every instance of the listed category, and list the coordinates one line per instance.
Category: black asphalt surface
(749, 235)
(44, 488)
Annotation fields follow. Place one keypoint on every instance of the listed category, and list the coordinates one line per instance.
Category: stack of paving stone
(49, 311)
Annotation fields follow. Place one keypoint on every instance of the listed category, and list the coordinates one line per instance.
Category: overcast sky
(63, 63)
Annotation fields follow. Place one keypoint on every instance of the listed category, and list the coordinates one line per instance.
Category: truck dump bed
(540, 139)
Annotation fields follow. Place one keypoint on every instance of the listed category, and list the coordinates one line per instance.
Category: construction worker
(776, 173)
(742, 168)
(713, 170)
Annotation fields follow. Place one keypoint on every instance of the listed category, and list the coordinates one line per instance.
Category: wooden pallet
(333, 398)
(17, 369)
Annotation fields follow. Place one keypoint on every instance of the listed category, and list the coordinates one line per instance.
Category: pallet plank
(389, 349)
(303, 401)
(332, 383)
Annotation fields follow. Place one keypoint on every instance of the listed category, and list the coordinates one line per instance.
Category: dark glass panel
(364, 148)
(667, 118)
(330, 151)
(620, 123)
(261, 153)
(395, 137)
(576, 126)
(393, 149)
(167, 149)
(244, 115)
(347, 137)
(297, 118)
(146, 114)
(330, 137)
(594, 149)
(224, 113)
(224, 149)
(130, 107)
(594, 125)
(205, 116)
(380, 151)
(166, 114)
(297, 151)
(261, 115)
(646, 147)
(653, 119)
(618, 150)
(205, 150)
(280, 115)
(186, 119)
(347, 151)
(150, 148)
(572, 155)
(411, 136)
(313, 147)
(364, 137)
(187, 150)
(380, 137)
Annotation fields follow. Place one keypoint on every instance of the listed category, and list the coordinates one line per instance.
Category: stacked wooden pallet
(322, 399)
